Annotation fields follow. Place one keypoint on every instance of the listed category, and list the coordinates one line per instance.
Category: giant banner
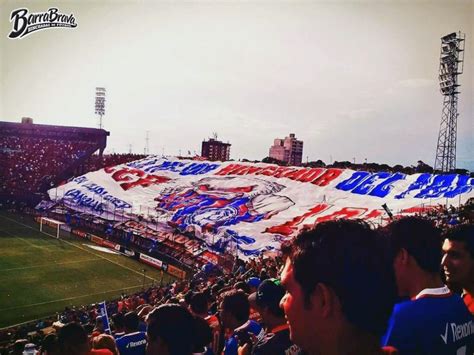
(249, 208)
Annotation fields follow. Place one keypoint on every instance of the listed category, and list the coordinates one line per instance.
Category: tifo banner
(250, 208)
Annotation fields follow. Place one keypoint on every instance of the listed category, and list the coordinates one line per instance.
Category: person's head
(49, 345)
(458, 259)
(105, 341)
(416, 247)
(170, 330)
(242, 285)
(19, 346)
(234, 308)
(267, 300)
(131, 322)
(99, 324)
(337, 281)
(118, 322)
(72, 339)
(199, 304)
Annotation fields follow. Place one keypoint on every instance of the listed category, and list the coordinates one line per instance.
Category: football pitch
(40, 275)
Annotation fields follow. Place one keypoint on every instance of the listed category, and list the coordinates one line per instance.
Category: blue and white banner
(251, 207)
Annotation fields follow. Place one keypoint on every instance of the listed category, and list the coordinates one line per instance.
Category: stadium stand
(36, 157)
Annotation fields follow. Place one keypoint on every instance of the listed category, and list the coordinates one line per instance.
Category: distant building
(215, 150)
(289, 150)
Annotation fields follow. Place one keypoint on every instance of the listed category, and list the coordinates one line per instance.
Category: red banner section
(130, 178)
(316, 176)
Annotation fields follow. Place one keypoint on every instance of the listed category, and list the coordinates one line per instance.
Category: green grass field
(40, 275)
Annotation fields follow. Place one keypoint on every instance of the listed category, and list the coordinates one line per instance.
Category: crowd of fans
(339, 288)
(31, 165)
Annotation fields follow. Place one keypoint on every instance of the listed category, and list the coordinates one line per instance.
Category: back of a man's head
(350, 258)
(118, 321)
(172, 325)
(236, 303)
(72, 339)
(131, 322)
(420, 238)
(199, 303)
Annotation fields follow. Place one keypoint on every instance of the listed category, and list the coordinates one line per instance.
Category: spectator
(50, 345)
(18, 347)
(134, 341)
(234, 313)
(200, 308)
(118, 325)
(99, 327)
(422, 325)
(170, 331)
(72, 340)
(458, 261)
(105, 341)
(277, 335)
(339, 289)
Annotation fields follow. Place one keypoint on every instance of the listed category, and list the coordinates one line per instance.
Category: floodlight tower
(100, 103)
(450, 67)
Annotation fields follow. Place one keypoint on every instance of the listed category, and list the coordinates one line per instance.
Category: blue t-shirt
(431, 325)
(232, 344)
(132, 344)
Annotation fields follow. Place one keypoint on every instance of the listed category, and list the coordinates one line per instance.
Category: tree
(270, 160)
(422, 167)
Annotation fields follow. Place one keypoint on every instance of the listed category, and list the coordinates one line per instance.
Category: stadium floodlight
(451, 65)
(100, 103)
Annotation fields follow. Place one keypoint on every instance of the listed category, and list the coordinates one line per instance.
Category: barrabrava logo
(25, 23)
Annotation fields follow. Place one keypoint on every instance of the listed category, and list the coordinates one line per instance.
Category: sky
(354, 80)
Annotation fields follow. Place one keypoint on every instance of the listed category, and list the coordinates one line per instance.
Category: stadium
(126, 253)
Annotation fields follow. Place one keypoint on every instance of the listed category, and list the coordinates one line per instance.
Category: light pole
(100, 103)
(450, 67)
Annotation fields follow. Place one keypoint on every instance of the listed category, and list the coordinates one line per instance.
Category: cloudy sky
(352, 79)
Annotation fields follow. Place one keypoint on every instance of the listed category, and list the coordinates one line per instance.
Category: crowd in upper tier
(32, 164)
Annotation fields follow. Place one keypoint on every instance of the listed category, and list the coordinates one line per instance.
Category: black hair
(118, 320)
(420, 238)
(199, 303)
(242, 285)
(71, 337)
(351, 258)
(462, 233)
(131, 321)
(175, 326)
(236, 303)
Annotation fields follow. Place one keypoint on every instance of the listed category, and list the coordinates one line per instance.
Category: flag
(105, 317)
